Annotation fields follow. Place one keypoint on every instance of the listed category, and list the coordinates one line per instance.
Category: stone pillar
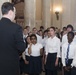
(46, 13)
(1, 2)
(73, 13)
(69, 13)
(66, 4)
(29, 13)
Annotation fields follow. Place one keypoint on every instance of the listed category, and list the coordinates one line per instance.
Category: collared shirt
(53, 46)
(72, 48)
(74, 59)
(24, 37)
(44, 41)
(35, 49)
(64, 39)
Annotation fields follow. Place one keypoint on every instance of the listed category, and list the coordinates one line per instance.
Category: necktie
(67, 54)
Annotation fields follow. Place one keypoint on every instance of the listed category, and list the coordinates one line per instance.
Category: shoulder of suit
(16, 25)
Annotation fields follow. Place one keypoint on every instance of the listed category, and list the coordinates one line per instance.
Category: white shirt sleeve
(46, 48)
(63, 39)
(63, 55)
(74, 59)
(58, 45)
(41, 46)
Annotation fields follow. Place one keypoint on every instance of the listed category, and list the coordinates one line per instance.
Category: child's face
(52, 32)
(28, 40)
(33, 40)
(69, 29)
(70, 38)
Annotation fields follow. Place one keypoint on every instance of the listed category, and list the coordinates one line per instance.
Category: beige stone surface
(34, 17)
(46, 14)
(69, 12)
(29, 12)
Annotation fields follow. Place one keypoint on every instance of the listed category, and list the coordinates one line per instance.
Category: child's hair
(52, 28)
(27, 36)
(33, 35)
(26, 41)
(72, 33)
(70, 26)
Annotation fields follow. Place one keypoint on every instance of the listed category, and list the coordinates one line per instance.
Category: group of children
(51, 52)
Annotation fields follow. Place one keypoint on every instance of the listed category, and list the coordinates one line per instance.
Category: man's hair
(6, 7)
(70, 26)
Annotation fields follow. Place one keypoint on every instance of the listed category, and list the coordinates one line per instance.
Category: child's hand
(30, 44)
(26, 62)
(66, 68)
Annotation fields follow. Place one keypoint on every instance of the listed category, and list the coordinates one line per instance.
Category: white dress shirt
(64, 39)
(44, 41)
(74, 59)
(72, 48)
(35, 49)
(53, 46)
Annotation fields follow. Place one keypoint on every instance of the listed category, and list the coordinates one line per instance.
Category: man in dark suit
(11, 41)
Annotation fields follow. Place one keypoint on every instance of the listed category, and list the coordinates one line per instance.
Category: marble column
(29, 13)
(73, 13)
(69, 13)
(66, 4)
(1, 2)
(46, 13)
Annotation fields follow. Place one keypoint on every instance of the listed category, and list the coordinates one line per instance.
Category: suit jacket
(11, 43)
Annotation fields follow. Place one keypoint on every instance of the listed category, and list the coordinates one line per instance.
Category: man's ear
(10, 12)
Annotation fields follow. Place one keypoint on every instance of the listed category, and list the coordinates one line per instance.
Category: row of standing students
(52, 55)
(35, 51)
(69, 51)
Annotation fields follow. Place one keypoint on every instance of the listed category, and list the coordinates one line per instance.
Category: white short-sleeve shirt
(35, 49)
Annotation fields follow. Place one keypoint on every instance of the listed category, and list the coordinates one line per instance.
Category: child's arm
(29, 49)
(41, 51)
